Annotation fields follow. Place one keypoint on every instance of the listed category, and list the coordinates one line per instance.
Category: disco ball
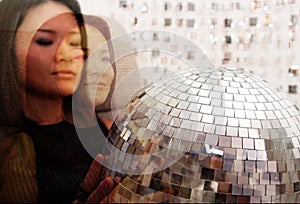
(223, 136)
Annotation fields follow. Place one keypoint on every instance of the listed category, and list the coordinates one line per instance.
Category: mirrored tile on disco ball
(231, 137)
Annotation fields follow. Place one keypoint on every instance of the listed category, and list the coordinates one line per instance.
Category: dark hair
(103, 27)
(12, 13)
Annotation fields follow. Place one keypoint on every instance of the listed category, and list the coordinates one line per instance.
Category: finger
(107, 157)
(91, 180)
(103, 189)
(117, 179)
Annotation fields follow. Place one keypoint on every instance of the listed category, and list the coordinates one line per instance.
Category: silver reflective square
(226, 135)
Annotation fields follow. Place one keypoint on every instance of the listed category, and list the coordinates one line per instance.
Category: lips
(64, 74)
(101, 83)
(94, 81)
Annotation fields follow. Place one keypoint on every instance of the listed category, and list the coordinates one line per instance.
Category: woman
(42, 159)
(99, 75)
(95, 90)
(103, 109)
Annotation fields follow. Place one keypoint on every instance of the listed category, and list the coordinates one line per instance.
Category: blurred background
(258, 36)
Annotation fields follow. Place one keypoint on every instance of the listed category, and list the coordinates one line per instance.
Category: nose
(98, 72)
(64, 52)
(94, 70)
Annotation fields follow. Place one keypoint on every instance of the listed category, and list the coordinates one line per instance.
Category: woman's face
(48, 49)
(100, 73)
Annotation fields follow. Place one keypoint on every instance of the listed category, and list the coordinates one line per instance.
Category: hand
(96, 184)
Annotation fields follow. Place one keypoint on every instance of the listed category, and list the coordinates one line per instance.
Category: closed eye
(75, 44)
(105, 59)
(44, 41)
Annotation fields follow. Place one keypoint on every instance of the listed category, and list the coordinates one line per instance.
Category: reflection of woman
(103, 68)
(42, 159)
(93, 95)
(96, 86)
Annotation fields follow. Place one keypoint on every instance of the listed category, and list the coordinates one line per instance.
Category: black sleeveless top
(62, 161)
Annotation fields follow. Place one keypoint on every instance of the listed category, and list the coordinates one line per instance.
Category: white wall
(269, 55)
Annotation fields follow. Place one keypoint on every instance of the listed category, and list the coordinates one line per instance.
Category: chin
(67, 91)
(69, 88)
(100, 98)
(99, 101)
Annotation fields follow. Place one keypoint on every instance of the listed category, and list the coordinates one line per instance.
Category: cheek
(78, 55)
(38, 61)
(111, 74)
(101, 96)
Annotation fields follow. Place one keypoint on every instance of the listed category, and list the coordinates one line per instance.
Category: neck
(42, 110)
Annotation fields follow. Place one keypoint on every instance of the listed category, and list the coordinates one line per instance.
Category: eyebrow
(103, 51)
(46, 30)
(53, 31)
(74, 32)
